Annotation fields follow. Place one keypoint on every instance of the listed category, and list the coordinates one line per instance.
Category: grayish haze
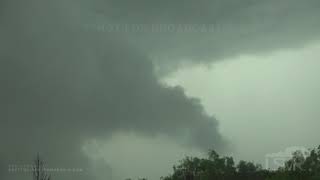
(65, 81)
(265, 104)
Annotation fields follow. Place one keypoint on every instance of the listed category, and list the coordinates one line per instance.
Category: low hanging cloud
(176, 32)
(62, 86)
(64, 81)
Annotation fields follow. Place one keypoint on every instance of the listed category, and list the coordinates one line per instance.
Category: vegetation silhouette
(39, 170)
(299, 167)
(215, 167)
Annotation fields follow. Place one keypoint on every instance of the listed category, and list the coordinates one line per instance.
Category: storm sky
(126, 88)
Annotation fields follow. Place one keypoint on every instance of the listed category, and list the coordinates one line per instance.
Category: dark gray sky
(78, 77)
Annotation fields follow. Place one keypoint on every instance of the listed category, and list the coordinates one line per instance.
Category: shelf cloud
(77, 70)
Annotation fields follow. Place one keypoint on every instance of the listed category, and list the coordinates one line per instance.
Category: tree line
(216, 167)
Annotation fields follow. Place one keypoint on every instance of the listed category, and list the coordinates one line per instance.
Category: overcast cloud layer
(65, 80)
(206, 30)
